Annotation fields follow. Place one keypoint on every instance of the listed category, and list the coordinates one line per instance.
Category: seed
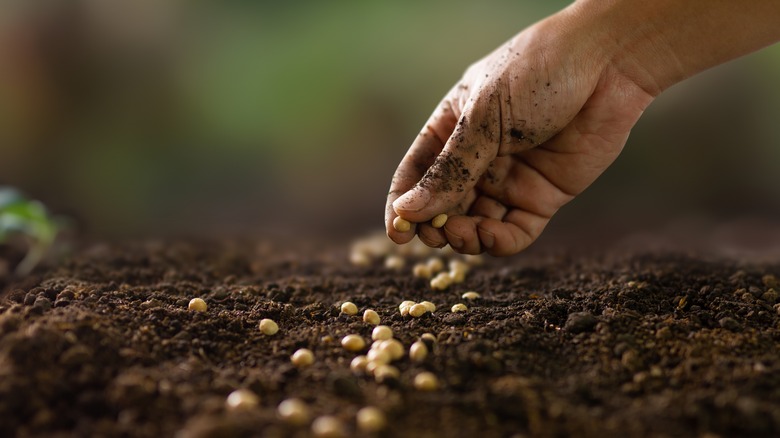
(435, 264)
(428, 338)
(458, 265)
(395, 262)
(372, 366)
(393, 347)
(418, 351)
(303, 357)
(242, 399)
(460, 307)
(383, 373)
(401, 225)
(377, 356)
(197, 305)
(457, 277)
(426, 381)
(353, 343)
(471, 295)
(418, 310)
(349, 308)
(293, 411)
(439, 220)
(381, 332)
(327, 426)
(268, 326)
(405, 306)
(371, 419)
(359, 258)
(358, 364)
(370, 317)
(441, 281)
(421, 271)
(429, 306)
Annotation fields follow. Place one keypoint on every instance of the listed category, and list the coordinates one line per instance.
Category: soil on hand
(610, 344)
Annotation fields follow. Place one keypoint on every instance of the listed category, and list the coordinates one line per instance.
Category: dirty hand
(525, 130)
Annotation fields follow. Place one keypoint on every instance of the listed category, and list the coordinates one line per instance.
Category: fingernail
(413, 200)
(455, 240)
(488, 238)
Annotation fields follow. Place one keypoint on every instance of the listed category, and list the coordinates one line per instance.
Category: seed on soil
(327, 426)
(371, 419)
(378, 356)
(457, 277)
(293, 411)
(470, 295)
(381, 332)
(370, 317)
(418, 351)
(303, 357)
(405, 306)
(441, 281)
(358, 364)
(349, 308)
(384, 373)
(401, 225)
(460, 307)
(393, 347)
(426, 381)
(268, 326)
(353, 343)
(428, 337)
(421, 270)
(418, 310)
(242, 399)
(429, 306)
(395, 262)
(439, 220)
(435, 265)
(197, 305)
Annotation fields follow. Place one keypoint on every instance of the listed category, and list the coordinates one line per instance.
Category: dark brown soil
(609, 344)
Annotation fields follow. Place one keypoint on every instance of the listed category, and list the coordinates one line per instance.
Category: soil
(605, 343)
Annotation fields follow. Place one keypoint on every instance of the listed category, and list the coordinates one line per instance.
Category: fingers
(455, 171)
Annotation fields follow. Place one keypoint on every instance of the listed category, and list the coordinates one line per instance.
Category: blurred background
(151, 117)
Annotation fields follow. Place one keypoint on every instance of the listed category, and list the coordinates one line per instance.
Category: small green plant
(29, 219)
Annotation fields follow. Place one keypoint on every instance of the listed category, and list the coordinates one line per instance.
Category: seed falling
(358, 364)
(418, 351)
(381, 332)
(435, 265)
(327, 426)
(268, 326)
(441, 281)
(401, 225)
(303, 357)
(293, 411)
(421, 270)
(197, 305)
(460, 307)
(371, 419)
(359, 258)
(439, 220)
(429, 306)
(353, 343)
(242, 399)
(426, 381)
(349, 308)
(418, 310)
(395, 262)
(384, 373)
(370, 317)
(471, 295)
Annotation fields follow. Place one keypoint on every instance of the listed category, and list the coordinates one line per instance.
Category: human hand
(525, 130)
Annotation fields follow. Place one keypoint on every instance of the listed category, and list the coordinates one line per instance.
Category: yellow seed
(197, 305)
(358, 364)
(458, 265)
(441, 281)
(268, 327)
(383, 373)
(242, 399)
(473, 259)
(457, 277)
(370, 317)
(372, 366)
(353, 343)
(378, 356)
(349, 308)
(303, 357)
(418, 351)
(428, 337)
(381, 332)
(293, 411)
(439, 221)
(418, 310)
(401, 225)
(405, 306)
(429, 306)
(471, 295)
(393, 347)
(371, 419)
(426, 381)
(327, 426)
(359, 258)
(460, 307)
(394, 262)
(421, 271)
(435, 264)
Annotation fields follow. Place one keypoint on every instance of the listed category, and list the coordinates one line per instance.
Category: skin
(535, 122)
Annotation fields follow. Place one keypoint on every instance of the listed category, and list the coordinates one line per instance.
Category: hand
(526, 130)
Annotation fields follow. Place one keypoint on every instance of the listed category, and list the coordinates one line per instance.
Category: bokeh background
(151, 117)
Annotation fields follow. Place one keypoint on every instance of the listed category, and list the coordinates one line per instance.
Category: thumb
(465, 157)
